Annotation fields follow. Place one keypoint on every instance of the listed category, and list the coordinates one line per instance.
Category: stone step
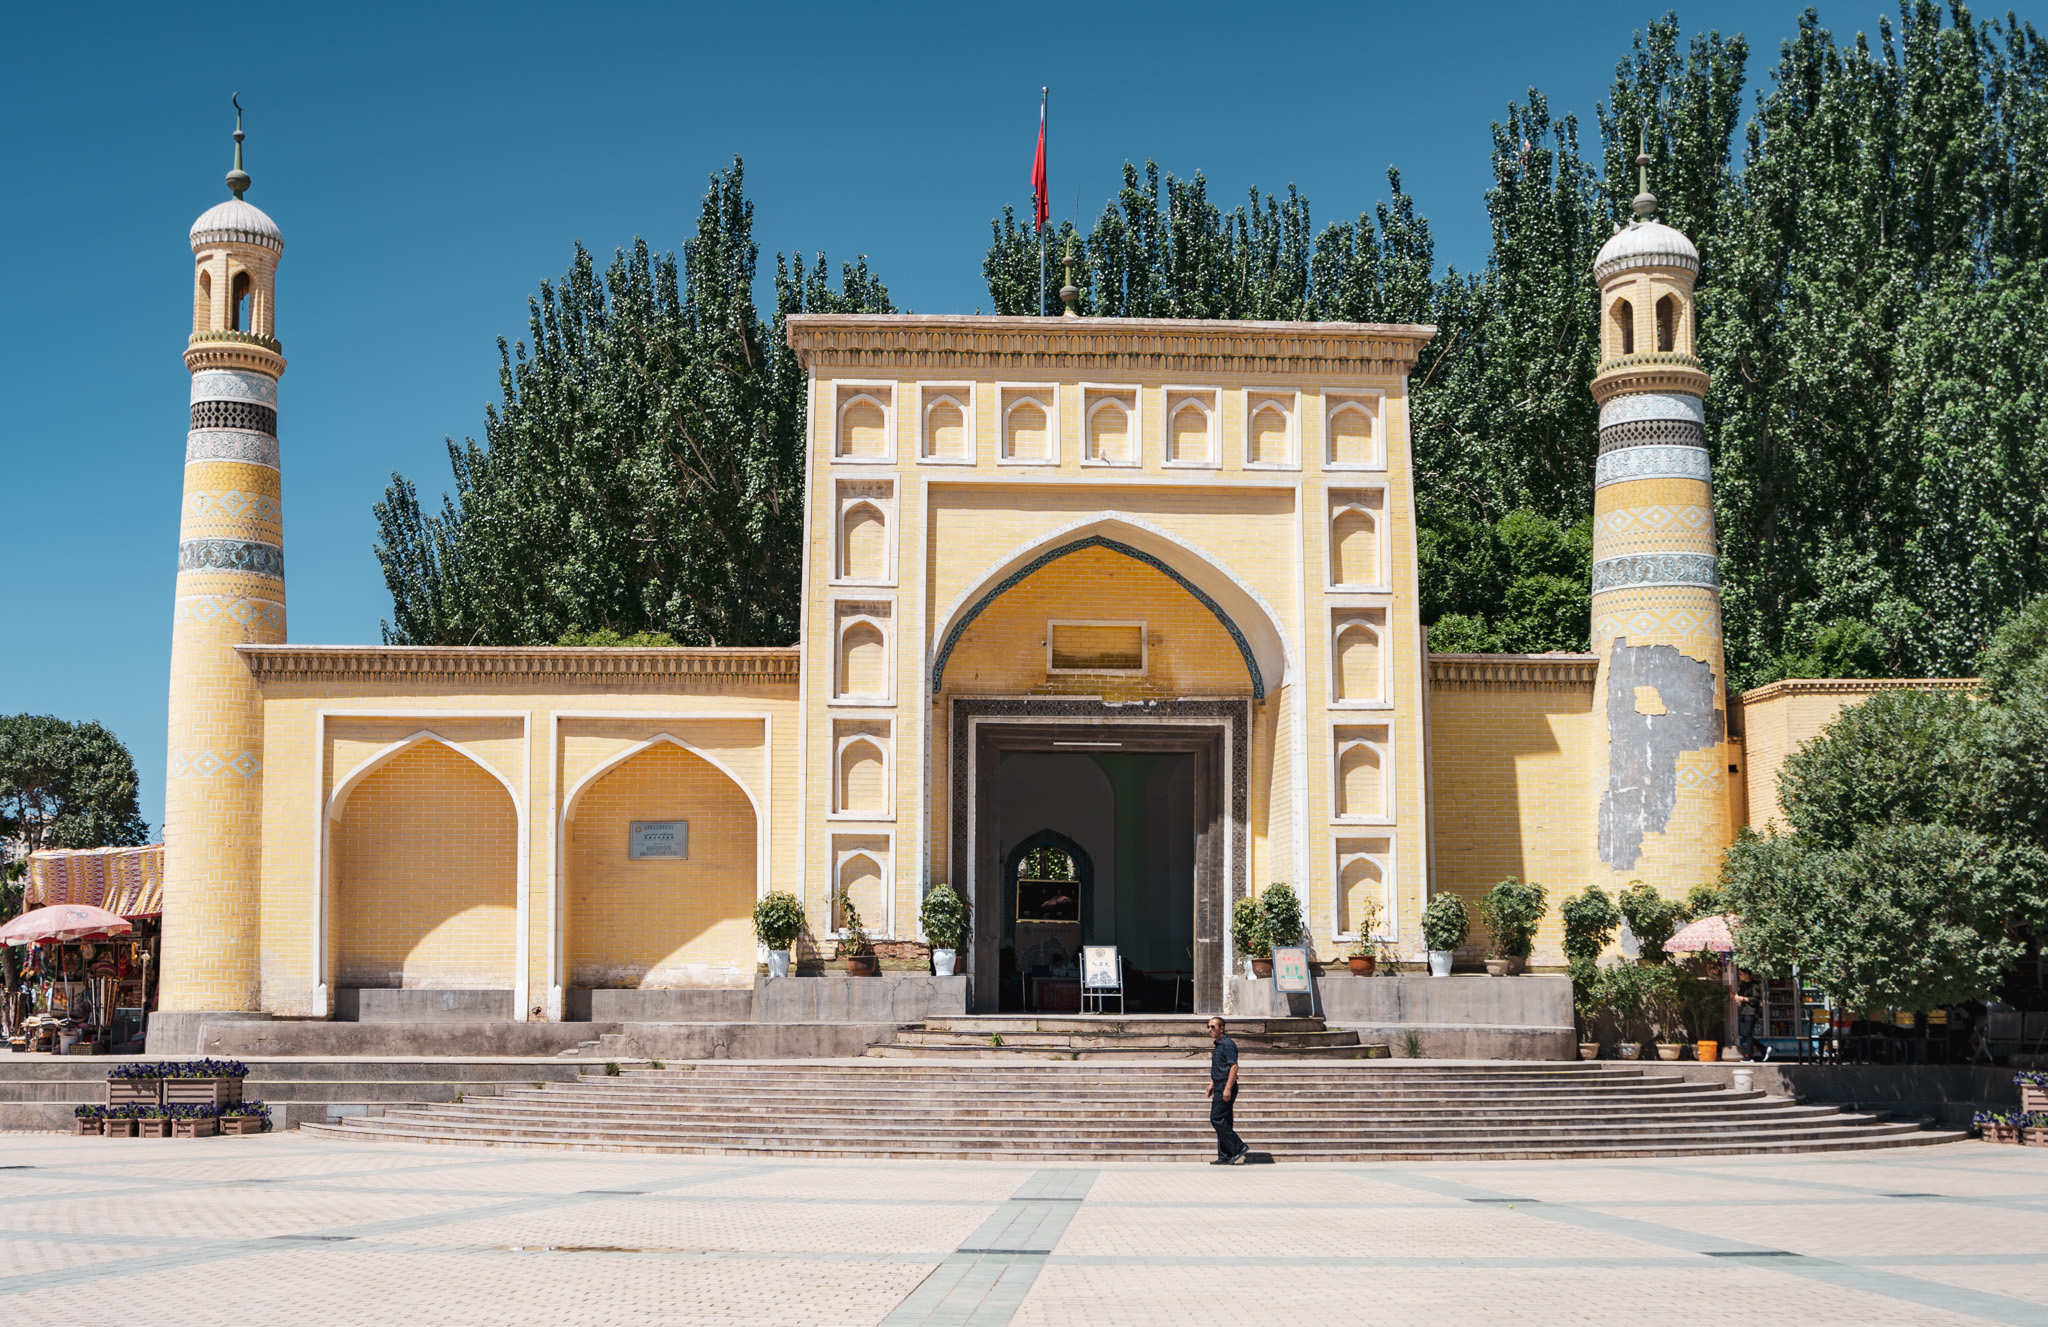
(1111, 1101)
(1189, 1025)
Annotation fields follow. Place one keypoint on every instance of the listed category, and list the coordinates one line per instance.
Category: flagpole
(1043, 205)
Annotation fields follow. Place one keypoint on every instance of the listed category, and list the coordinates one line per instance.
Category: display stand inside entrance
(1102, 978)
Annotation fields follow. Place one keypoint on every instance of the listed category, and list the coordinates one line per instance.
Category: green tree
(643, 469)
(62, 785)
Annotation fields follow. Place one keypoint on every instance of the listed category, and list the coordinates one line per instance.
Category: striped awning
(128, 882)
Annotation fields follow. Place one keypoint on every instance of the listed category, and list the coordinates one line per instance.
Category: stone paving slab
(315, 1231)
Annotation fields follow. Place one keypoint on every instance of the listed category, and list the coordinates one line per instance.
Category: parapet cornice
(1852, 686)
(367, 663)
(996, 345)
(213, 350)
(1513, 672)
(1651, 371)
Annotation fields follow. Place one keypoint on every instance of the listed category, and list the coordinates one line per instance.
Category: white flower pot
(942, 961)
(1440, 962)
(778, 962)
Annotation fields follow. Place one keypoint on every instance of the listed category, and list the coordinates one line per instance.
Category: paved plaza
(284, 1228)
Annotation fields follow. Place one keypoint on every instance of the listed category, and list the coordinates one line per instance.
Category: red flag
(1039, 199)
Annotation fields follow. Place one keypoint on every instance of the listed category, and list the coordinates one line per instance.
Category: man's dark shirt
(1221, 1056)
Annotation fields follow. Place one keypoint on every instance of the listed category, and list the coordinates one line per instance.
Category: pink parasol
(1713, 935)
(63, 922)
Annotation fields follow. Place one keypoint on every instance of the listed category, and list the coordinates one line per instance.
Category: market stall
(78, 967)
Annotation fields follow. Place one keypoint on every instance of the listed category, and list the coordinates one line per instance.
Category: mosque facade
(1141, 592)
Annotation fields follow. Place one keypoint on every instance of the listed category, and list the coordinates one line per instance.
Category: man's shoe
(1240, 1158)
(1221, 1161)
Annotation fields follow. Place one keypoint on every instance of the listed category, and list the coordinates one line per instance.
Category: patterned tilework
(211, 415)
(247, 447)
(1653, 405)
(234, 385)
(1652, 432)
(231, 554)
(267, 614)
(1638, 570)
(1676, 527)
(214, 764)
(231, 513)
(1652, 463)
(1688, 617)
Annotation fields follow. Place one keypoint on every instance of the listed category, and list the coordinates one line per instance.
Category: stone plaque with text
(658, 838)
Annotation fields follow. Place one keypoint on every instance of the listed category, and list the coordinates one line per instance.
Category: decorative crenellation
(1513, 672)
(1854, 686)
(329, 663)
(995, 345)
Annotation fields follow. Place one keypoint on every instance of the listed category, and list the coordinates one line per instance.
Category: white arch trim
(558, 976)
(1249, 609)
(337, 803)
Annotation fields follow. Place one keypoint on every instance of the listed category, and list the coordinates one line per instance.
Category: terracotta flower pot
(1589, 1050)
(1262, 968)
(1497, 967)
(1670, 1050)
(1362, 966)
(863, 965)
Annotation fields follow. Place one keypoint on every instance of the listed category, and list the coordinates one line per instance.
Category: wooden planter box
(88, 1126)
(205, 1127)
(2001, 1133)
(120, 1128)
(202, 1091)
(241, 1124)
(2033, 1098)
(152, 1128)
(134, 1091)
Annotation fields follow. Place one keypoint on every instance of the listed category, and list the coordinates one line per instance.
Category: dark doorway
(1147, 816)
(1098, 848)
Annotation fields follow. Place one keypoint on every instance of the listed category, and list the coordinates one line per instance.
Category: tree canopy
(62, 785)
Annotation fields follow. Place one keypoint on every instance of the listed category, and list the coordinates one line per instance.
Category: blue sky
(430, 164)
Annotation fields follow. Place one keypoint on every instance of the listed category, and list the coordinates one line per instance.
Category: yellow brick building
(1143, 591)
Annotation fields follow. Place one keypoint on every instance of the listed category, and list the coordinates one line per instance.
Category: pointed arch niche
(1358, 539)
(659, 922)
(864, 535)
(423, 864)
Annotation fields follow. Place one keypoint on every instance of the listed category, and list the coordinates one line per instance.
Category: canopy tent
(63, 923)
(128, 882)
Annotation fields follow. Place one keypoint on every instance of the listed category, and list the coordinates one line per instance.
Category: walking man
(1230, 1149)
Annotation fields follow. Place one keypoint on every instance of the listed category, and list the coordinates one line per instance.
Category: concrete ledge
(369, 1004)
(685, 1005)
(178, 1032)
(1400, 998)
(1947, 1093)
(905, 997)
(321, 1038)
(744, 1041)
(1442, 1041)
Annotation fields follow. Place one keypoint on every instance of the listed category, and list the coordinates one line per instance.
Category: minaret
(230, 592)
(1656, 574)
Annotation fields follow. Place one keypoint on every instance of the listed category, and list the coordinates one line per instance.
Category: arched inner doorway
(424, 856)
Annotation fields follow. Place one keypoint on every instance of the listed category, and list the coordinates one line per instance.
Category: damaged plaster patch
(1643, 748)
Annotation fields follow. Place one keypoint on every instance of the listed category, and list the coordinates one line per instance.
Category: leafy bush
(945, 917)
(90, 1112)
(1512, 911)
(1651, 916)
(1589, 922)
(1282, 909)
(1444, 923)
(779, 919)
(206, 1068)
(250, 1108)
(1248, 929)
(853, 942)
(1704, 901)
(1625, 991)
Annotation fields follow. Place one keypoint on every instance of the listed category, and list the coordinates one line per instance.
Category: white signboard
(1098, 968)
(658, 838)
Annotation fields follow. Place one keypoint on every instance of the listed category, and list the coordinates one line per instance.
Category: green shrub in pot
(1248, 929)
(1445, 923)
(1512, 910)
(945, 918)
(1282, 910)
(779, 919)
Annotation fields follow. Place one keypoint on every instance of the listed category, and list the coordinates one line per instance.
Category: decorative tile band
(234, 385)
(231, 445)
(1652, 432)
(1653, 405)
(231, 503)
(244, 555)
(1653, 463)
(234, 415)
(262, 614)
(214, 764)
(1015, 578)
(1641, 570)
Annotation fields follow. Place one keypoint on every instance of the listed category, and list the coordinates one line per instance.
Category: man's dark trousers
(1221, 1108)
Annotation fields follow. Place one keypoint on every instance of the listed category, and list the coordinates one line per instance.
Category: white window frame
(843, 502)
(1293, 408)
(841, 622)
(1337, 501)
(1343, 736)
(1050, 391)
(1375, 400)
(1212, 403)
(928, 395)
(1343, 615)
(887, 863)
(886, 741)
(845, 394)
(1094, 395)
(1390, 904)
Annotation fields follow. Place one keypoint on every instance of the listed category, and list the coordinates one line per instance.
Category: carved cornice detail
(234, 355)
(1657, 371)
(996, 345)
(1852, 686)
(364, 663)
(1513, 672)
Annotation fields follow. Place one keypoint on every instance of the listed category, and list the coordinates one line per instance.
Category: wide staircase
(1149, 1036)
(1139, 1111)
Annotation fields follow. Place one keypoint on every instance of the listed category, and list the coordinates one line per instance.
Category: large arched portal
(1097, 689)
(424, 860)
(658, 919)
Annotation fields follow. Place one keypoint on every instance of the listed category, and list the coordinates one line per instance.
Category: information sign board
(1290, 971)
(658, 838)
(1098, 968)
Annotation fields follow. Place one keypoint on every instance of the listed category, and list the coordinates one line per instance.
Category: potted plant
(1444, 927)
(193, 1120)
(151, 1122)
(945, 918)
(1664, 1007)
(1651, 919)
(854, 945)
(90, 1118)
(1248, 934)
(2033, 1128)
(1282, 908)
(778, 921)
(1365, 950)
(248, 1117)
(1997, 1126)
(206, 1082)
(1623, 990)
(119, 1121)
(2033, 1088)
(1512, 911)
